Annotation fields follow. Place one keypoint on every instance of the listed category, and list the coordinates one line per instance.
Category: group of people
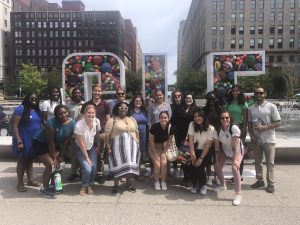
(127, 133)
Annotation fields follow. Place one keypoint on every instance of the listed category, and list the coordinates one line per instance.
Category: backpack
(230, 131)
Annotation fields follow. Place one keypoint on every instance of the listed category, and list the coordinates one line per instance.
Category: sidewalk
(147, 206)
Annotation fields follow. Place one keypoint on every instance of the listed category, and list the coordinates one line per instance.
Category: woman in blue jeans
(87, 147)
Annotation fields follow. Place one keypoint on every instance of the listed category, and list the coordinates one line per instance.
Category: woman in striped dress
(123, 141)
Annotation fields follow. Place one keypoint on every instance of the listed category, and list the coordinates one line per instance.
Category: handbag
(172, 152)
(184, 154)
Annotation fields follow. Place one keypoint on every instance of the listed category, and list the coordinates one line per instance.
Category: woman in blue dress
(27, 119)
(139, 113)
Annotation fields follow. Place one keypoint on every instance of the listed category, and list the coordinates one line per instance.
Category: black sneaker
(258, 184)
(131, 188)
(46, 192)
(270, 188)
(100, 179)
(73, 177)
(115, 190)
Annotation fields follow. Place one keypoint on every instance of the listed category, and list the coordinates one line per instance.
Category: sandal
(21, 188)
(82, 191)
(115, 190)
(33, 183)
(131, 188)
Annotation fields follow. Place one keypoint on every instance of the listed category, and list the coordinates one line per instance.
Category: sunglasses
(121, 93)
(123, 108)
(259, 93)
(225, 118)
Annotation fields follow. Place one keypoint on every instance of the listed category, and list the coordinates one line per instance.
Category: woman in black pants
(199, 131)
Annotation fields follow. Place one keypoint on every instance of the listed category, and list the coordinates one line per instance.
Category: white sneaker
(217, 181)
(209, 181)
(237, 200)
(157, 186)
(194, 190)
(220, 188)
(203, 190)
(164, 186)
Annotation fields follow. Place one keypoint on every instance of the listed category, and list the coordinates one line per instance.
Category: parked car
(296, 106)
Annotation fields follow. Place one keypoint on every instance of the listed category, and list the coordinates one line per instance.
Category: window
(221, 30)
(272, 29)
(292, 58)
(214, 17)
(5, 11)
(261, 17)
(292, 29)
(242, 4)
(279, 43)
(252, 43)
(222, 17)
(233, 4)
(68, 33)
(214, 30)
(280, 16)
(272, 4)
(233, 30)
(271, 43)
(51, 33)
(261, 4)
(272, 16)
(298, 17)
(213, 5)
(232, 43)
(292, 43)
(74, 24)
(221, 43)
(271, 58)
(68, 24)
(74, 33)
(222, 4)
(27, 24)
(252, 30)
(39, 24)
(252, 17)
(214, 44)
(62, 24)
(5, 23)
(253, 4)
(44, 24)
(233, 19)
(241, 43)
(241, 30)
(298, 44)
(260, 29)
(260, 43)
(56, 24)
(292, 4)
(279, 58)
(241, 17)
(280, 29)
(292, 16)
(280, 4)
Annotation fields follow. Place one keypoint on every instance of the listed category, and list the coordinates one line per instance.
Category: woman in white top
(200, 139)
(87, 147)
(48, 106)
(229, 145)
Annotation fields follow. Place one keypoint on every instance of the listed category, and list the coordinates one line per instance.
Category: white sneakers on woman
(157, 186)
(237, 200)
(160, 186)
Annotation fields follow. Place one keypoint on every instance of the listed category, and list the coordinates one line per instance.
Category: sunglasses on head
(259, 93)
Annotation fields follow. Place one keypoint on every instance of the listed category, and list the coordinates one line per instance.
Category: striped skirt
(125, 156)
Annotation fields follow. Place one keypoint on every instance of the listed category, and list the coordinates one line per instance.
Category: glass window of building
(56, 24)
(222, 17)
(51, 33)
(252, 30)
(252, 43)
(292, 4)
(27, 24)
(253, 4)
(213, 6)
(74, 24)
(261, 4)
(32, 24)
(260, 29)
(298, 30)
(221, 43)
(74, 33)
(39, 33)
(292, 58)
(261, 17)
(242, 4)
(214, 43)
(68, 24)
(63, 33)
(232, 43)
(233, 17)
(279, 43)
(260, 43)
(280, 16)
(221, 30)
(233, 30)
(280, 4)
(298, 44)
(271, 43)
(272, 29)
(45, 52)
(62, 24)
(233, 4)
(292, 16)
(241, 43)
(213, 17)
(56, 33)
(68, 33)
(279, 58)
(252, 17)
(51, 52)
(272, 16)
(271, 58)
(272, 4)
(292, 43)
(44, 24)
(241, 29)
(280, 29)
(222, 4)
(292, 29)
(241, 17)
(39, 24)
(214, 30)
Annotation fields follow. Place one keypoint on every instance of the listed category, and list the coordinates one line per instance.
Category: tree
(193, 81)
(31, 79)
(54, 79)
(289, 76)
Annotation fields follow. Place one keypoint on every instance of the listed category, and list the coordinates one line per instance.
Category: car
(296, 106)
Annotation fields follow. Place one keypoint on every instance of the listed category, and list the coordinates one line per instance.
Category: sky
(157, 23)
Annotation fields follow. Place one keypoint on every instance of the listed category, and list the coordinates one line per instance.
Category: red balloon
(98, 59)
(77, 69)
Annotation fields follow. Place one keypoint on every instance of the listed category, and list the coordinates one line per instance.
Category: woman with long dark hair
(27, 119)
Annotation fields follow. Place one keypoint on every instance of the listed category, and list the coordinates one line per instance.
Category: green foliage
(133, 83)
(193, 81)
(31, 79)
(54, 79)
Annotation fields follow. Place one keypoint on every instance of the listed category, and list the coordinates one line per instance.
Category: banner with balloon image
(103, 68)
(154, 74)
(223, 68)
